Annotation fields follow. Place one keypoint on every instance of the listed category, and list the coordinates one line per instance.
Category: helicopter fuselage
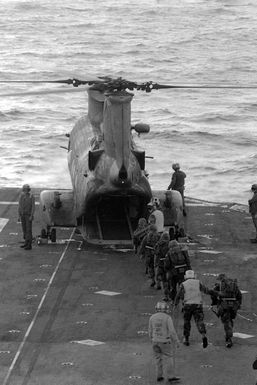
(110, 186)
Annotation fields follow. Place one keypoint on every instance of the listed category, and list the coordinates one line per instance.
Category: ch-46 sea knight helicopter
(110, 189)
(110, 185)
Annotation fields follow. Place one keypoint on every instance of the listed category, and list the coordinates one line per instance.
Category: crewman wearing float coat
(190, 293)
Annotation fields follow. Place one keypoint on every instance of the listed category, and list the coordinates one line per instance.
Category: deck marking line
(106, 292)
(6, 379)
(14, 203)
(3, 222)
(88, 342)
(242, 335)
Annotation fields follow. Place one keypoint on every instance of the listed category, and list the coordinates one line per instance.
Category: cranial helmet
(176, 166)
(189, 274)
(156, 201)
(26, 187)
(162, 306)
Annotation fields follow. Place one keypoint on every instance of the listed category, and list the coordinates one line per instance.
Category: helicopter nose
(119, 177)
(123, 174)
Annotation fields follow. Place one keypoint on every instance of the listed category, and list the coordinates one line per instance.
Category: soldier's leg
(151, 272)
(166, 290)
(228, 327)
(174, 283)
(157, 278)
(169, 357)
(23, 226)
(158, 360)
(198, 317)
(28, 231)
(187, 323)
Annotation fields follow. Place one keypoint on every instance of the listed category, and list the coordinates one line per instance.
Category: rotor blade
(160, 86)
(74, 82)
(43, 92)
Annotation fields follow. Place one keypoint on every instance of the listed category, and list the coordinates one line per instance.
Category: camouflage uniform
(176, 263)
(147, 251)
(228, 298)
(140, 233)
(160, 251)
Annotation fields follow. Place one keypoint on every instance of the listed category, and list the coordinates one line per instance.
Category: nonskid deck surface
(76, 314)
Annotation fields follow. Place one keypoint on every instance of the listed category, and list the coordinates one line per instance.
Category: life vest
(192, 293)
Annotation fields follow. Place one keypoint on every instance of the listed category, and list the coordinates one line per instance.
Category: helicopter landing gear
(47, 234)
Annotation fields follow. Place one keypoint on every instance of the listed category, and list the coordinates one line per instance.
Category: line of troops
(168, 266)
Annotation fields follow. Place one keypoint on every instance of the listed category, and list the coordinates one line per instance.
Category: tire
(43, 233)
(53, 235)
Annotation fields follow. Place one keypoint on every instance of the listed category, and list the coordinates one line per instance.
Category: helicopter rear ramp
(111, 228)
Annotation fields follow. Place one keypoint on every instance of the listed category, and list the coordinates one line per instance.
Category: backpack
(229, 291)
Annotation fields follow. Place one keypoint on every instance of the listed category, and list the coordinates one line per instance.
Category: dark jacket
(253, 204)
(177, 181)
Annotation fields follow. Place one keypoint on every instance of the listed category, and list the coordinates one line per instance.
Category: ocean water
(212, 133)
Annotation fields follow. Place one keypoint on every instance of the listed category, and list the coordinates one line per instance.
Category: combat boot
(173, 379)
(205, 342)
(229, 342)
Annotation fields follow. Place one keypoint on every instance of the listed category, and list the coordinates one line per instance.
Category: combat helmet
(162, 306)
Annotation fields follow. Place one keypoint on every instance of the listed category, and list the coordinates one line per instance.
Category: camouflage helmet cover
(26, 187)
(221, 277)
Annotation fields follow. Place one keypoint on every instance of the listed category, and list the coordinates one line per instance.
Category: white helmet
(162, 307)
(156, 201)
(189, 274)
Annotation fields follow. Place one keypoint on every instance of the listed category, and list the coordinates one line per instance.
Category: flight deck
(74, 313)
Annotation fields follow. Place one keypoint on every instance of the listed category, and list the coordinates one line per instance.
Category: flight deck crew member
(156, 215)
(228, 298)
(164, 341)
(190, 294)
(253, 209)
(178, 183)
(26, 212)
